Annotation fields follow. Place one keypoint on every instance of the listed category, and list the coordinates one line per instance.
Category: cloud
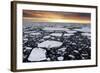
(51, 16)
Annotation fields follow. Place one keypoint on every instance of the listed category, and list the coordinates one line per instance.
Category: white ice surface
(60, 58)
(85, 29)
(71, 31)
(37, 54)
(50, 44)
(45, 37)
(25, 39)
(55, 29)
(35, 33)
(28, 48)
(86, 34)
(62, 49)
(66, 34)
(56, 34)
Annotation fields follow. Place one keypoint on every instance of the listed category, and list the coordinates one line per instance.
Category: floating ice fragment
(60, 58)
(50, 44)
(37, 54)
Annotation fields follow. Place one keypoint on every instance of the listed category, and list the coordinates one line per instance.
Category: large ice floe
(37, 54)
(50, 44)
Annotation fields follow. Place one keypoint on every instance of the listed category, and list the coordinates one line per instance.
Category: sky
(52, 16)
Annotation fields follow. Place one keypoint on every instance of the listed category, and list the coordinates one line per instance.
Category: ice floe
(50, 44)
(37, 54)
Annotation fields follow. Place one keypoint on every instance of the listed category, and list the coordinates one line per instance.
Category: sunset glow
(46, 16)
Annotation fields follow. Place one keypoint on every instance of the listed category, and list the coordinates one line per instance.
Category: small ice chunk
(86, 34)
(66, 34)
(71, 56)
(60, 58)
(62, 49)
(56, 34)
(45, 37)
(48, 59)
(71, 31)
(28, 48)
(84, 54)
(35, 33)
(76, 51)
(25, 39)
